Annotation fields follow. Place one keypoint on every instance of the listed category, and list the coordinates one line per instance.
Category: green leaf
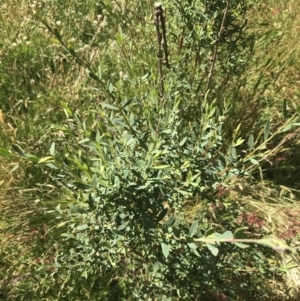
(31, 158)
(240, 245)
(182, 142)
(127, 103)
(91, 202)
(261, 147)
(82, 227)
(161, 167)
(239, 142)
(137, 174)
(162, 214)
(170, 222)
(251, 142)
(239, 232)
(120, 35)
(286, 128)
(253, 161)
(71, 50)
(195, 252)
(99, 74)
(84, 140)
(213, 249)
(52, 166)
(189, 240)
(192, 246)
(92, 75)
(108, 106)
(62, 224)
(184, 193)
(149, 161)
(225, 236)
(143, 145)
(193, 229)
(165, 249)
(4, 152)
(46, 159)
(209, 232)
(276, 244)
(68, 235)
(117, 232)
(81, 185)
(18, 149)
(267, 130)
(144, 77)
(77, 209)
(233, 152)
(110, 87)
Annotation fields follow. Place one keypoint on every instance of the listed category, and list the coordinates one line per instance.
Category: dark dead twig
(162, 54)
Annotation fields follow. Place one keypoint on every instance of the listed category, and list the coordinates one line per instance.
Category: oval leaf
(165, 249)
(251, 142)
(213, 249)
(193, 229)
(227, 235)
(253, 161)
(82, 227)
(192, 246)
(286, 128)
(242, 246)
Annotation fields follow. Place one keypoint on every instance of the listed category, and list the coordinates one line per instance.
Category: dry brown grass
(278, 207)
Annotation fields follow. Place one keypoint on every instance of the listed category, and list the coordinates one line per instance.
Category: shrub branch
(217, 44)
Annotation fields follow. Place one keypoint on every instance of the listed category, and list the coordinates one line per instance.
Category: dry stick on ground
(159, 21)
(217, 44)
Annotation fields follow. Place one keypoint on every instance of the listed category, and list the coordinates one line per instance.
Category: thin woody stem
(217, 44)
(159, 54)
(160, 24)
(163, 26)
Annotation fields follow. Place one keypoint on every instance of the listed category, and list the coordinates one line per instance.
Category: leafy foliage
(131, 161)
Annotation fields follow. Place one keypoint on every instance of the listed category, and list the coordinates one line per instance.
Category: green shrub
(142, 148)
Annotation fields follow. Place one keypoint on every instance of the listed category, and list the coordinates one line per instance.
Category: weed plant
(139, 134)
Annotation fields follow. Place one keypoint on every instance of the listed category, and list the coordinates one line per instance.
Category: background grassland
(38, 75)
